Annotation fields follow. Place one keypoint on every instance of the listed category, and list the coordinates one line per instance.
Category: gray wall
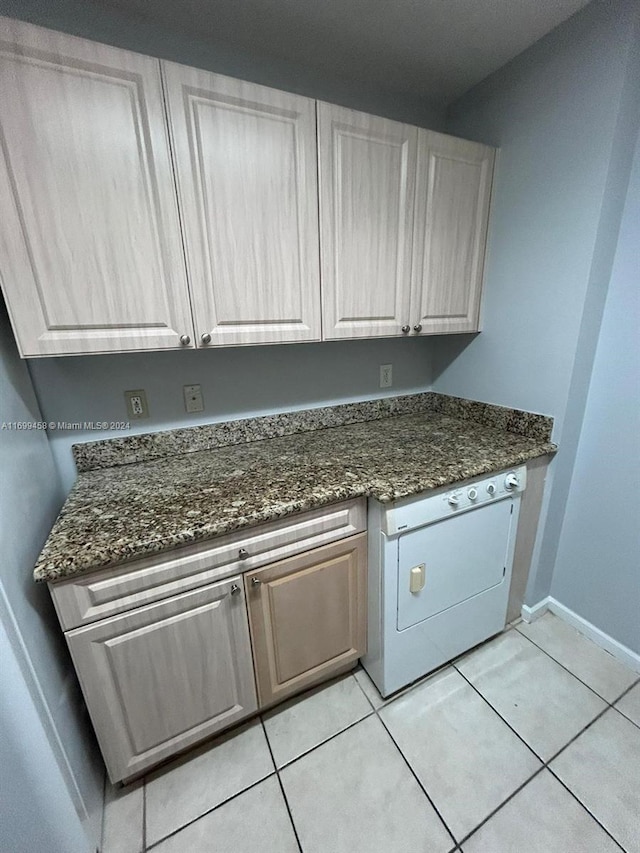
(30, 498)
(597, 571)
(564, 114)
(37, 811)
(111, 26)
(236, 382)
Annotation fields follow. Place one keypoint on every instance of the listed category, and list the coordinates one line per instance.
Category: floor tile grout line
(580, 733)
(495, 710)
(615, 704)
(253, 784)
(577, 677)
(504, 802)
(284, 795)
(322, 743)
(588, 810)
(373, 707)
(288, 808)
(415, 776)
(209, 811)
(375, 711)
(547, 761)
(545, 764)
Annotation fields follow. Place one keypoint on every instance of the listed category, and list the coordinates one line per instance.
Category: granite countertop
(116, 514)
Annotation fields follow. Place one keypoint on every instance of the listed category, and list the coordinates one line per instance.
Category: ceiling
(432, 49)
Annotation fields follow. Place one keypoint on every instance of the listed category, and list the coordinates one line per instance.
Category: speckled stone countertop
(129, 511)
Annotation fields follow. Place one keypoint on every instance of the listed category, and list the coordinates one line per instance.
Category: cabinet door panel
(308, 617)
(247, 175)
(452, 209)
(92, 255)
(367, 172)
(162, 677)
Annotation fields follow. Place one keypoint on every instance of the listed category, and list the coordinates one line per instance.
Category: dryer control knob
(472, 494)
(511, 481)
(491, 489)
(453, 500)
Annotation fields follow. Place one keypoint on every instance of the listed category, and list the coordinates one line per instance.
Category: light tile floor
(530, 742)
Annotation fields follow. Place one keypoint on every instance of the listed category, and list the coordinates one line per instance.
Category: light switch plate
(136, 404)
(193, 401)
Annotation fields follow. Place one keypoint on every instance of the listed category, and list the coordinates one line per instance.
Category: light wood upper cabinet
(453, 190)
(247, 180)
(308, 617)
(112, 241)
(91, 256)
(367, 176)
(165, 676)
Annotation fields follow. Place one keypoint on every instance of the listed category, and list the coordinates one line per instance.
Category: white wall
(30, 498)
(564, 116)
(236, 382)
(597, 570)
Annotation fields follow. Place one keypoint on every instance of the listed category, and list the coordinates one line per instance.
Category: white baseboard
(624, 654)
(530, 614)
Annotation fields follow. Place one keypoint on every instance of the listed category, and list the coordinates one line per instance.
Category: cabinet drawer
(107, 592)
(163, 677)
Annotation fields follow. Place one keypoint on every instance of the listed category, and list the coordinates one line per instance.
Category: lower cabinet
(308, 617)
(162, 677)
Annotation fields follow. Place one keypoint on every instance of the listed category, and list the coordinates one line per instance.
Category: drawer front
(104, 593)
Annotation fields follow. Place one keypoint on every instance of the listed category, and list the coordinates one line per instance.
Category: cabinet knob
(185, 340)
(406, 330)
(235, 589)
(243, 554)
(255, 582)
(205, 338)
(417, 327)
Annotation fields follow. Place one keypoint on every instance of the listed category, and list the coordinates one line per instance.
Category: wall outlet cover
(386, 375)
(136, 404)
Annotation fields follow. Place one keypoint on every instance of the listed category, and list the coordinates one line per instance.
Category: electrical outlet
(386, 375)
(193, 401)
(136, 404)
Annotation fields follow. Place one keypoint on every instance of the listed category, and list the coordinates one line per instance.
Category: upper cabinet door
(453, 189)
(91, 256)
(247, 180)
(367, 173)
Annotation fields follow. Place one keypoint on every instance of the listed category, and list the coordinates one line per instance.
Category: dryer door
(462, 555)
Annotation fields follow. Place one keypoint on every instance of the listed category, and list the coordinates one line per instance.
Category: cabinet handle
(417, 328)
(205, 338)
(185, 340)
(406, 330)
(255, 582)
(235, 589)
(243, 554)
